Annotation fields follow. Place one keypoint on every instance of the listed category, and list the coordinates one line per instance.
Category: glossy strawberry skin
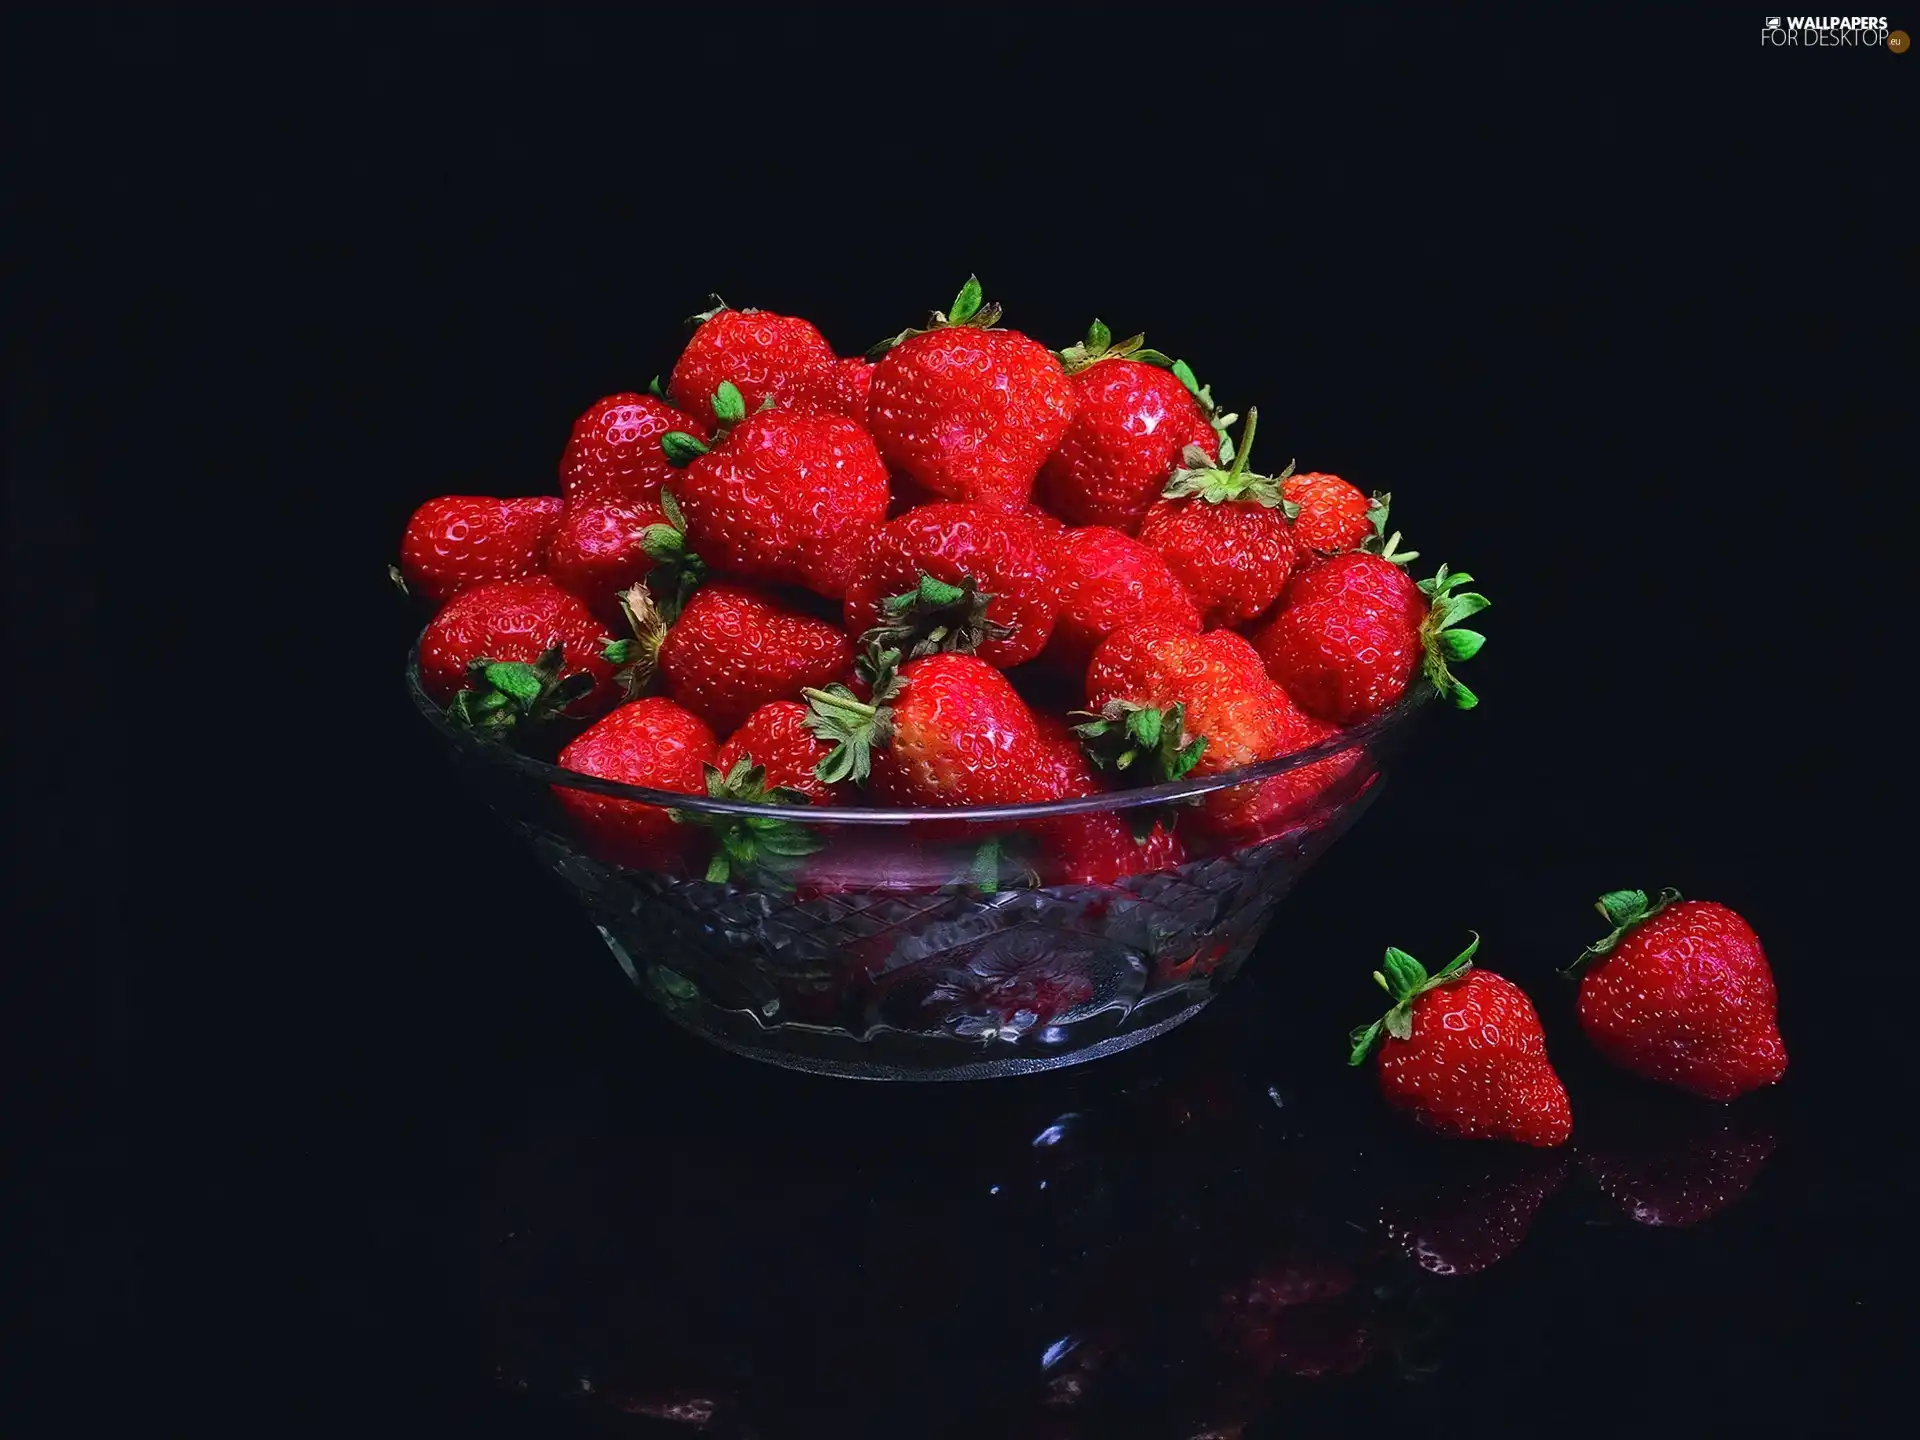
(776, 737)
(514, 620)
(1107, 580)
(651, 742)
(1095, 847)
(614, 455)
(1687, 998)
(971, 414)
(596, 552)
(1475, 1066)
(734, 649)
(787, 500)
(961, 736)
(455, 541)
(1333, 515)
(1233, 558)
(1006, 554)
(763, 354)
(1130, 423)
(841, 389)
(1346, 642)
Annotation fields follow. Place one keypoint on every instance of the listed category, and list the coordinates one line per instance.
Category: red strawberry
(1095, 847)
(968, 411)
(1331, 517)
(1678, 1170)
(489, 654)
(1134, 414)
(1353, 631)
(1224, 533)
(599, 551)
(782, 499)
(650, 742)
(460, 540)
(1467, 1220)
(778, 738)
(841, 389)
(1463, 1053)
(734, 649)
(614, 455)
(1681, 992)
(762, 354)
(1108, 581)
(992, 592)
(946, 730)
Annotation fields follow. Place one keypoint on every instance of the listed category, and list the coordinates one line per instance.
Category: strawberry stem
(1623, 910)
(934, 617)
(1405, 979)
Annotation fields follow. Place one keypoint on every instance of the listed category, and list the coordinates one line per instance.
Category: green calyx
(1100, 345)
(1405, 980)
(729, 409)
(934, 617)
(967, 309)
(503, 695)
(1447, 605)
(1622, 909)
(1386, 546)
(1200, 478)
(677, 571)
(853, 727)
(763, 849)
(1148, 744)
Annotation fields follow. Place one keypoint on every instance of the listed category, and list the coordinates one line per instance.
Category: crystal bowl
(933, 944)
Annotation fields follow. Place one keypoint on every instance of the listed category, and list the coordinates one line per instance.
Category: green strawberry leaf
(936, 617)
(681, 448)
(729, 405)
(1405, 979)
(762, 850)
(505, 695)
(1447, 606)
(1622, 910)
(967, 303)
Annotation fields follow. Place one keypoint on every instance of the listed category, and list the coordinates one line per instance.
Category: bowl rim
(1419, 694)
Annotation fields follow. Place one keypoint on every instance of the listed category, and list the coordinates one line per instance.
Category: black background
(1621, 313)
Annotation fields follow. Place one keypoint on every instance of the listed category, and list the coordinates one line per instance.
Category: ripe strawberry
(1467, 1219)
(1678, 1169)
(599, 550)
(778, 739)
(841, 389)
(1095, 847)
(460, 540)
(614, 455)
(1224, 533)
(732, 650)
(650, 742)
(1135, 412)
(1168, 703)
(781, 499)
(992, 590)
(969, 411)
(489, 655)
(1463, 1053)
(762, 354)
(1331, 517)
(1680, 992)
(945, 730)
(1353, 631)
(1108, 581)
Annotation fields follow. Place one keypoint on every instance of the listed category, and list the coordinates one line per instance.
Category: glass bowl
(944, 944)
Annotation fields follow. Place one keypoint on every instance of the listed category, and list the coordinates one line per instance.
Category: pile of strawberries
(974, 572)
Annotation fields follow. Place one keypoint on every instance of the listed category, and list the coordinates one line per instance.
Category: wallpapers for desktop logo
(1853, 31)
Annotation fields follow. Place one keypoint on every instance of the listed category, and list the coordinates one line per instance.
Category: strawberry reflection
(1671, 1161)
(1460, 1211)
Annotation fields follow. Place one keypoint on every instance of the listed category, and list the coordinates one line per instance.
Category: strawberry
(614, 455)
(969, 411)
(1678, 1169)
(1224, 533)
(1463, 1053)
(945, 730)
(1680, 992)
(1330, 517)
(956, 577)
(511, 651)
(841, 389)
(781, 499)
(1465, 1220)
(1108, 581)
(1353, 630)
(761, 354)
(1135, 413)
(598, 550)
(778, 739)
(653, 743)
(460, 540)
(1095, 847)
(732, 650)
